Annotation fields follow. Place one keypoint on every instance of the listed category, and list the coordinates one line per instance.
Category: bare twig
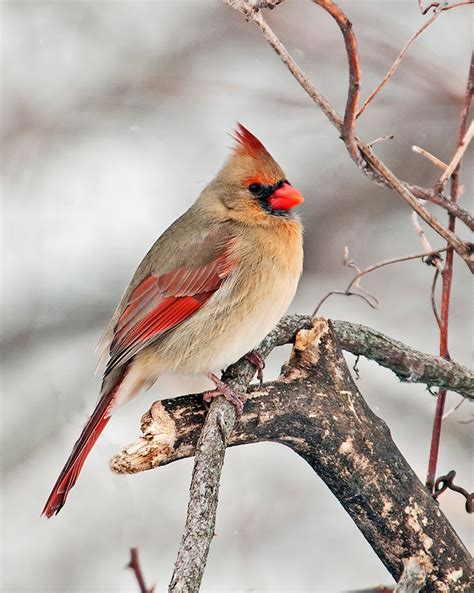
(463, 249)
(395, 260)
(374, 303)
(413, 577)
(446, 289)
(446, 482)
(395, 65)
(435, 259)
(452, 208)
(431, 157)
(433, 297)
(436, 5)
(380, 139)
(369, 164)
(456, 158)
(369, 298)
(348, 130)
(134, 565)
(445, 6)
(455, 408)
(457, 4)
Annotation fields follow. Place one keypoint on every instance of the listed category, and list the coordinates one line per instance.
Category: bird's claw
(258, 362)
(236, 399)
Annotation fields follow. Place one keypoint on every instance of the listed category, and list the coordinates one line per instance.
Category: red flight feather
(157, 305)
(91, 432)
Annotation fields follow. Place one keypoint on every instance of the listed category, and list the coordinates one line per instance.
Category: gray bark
(315, 409)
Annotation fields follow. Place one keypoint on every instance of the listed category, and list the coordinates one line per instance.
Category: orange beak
(285, 197)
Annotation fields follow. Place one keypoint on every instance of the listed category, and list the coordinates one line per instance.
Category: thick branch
(408, 364)
(209, 459)
(316, 410)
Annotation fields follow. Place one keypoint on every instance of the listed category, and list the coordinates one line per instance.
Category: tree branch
(316, 410)
(441, 200)
(360, 152)
(408, 364)
(397, 62)
(209, 459)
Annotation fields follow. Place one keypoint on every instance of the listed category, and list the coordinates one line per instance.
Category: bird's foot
(258, 362)
(236, 399)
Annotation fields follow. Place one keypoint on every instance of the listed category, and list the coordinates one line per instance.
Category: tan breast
(243, 310)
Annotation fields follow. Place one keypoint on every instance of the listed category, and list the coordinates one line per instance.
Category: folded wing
(161, 302)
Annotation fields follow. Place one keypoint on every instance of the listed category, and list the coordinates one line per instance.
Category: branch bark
(209, 459)
(441, 200)
(412, 579)
(315, 409)
(408, 364)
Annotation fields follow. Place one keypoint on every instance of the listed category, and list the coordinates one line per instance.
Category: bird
(206, 294)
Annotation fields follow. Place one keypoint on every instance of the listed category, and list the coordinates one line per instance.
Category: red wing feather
(160, 303)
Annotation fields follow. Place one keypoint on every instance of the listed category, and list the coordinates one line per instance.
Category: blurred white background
(115, 115)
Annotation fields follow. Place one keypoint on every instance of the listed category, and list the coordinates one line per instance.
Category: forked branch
(315, 409)
(360, 152)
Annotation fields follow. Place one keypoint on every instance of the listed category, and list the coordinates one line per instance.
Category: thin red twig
(446, 288)
(134, 565)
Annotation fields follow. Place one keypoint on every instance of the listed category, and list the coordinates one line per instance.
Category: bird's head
(251, 186)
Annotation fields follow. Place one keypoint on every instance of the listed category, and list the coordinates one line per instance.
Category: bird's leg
(237, 399)
(258, 362)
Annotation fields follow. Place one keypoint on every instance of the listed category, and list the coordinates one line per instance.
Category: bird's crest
(246, 143)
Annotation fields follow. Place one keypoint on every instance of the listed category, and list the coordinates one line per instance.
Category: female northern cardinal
(208, 291)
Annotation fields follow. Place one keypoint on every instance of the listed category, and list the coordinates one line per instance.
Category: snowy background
(115, 115)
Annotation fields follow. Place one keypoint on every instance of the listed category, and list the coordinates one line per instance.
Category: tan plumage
(208, 291)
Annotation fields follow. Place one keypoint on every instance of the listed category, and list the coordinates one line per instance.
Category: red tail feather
(91, 432)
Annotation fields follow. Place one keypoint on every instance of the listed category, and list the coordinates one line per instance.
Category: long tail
(91, 432)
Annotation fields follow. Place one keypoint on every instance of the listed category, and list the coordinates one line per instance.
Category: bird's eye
(255, 188)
